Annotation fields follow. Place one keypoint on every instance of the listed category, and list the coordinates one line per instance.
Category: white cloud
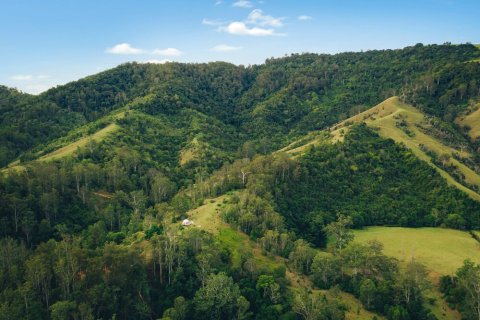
(37, 88)
(243, 4)
(241, 29)
(257, 17)
(304, 18)
(256, 24)
(218, 2)
(29, 77)
(169, 52)
(124, 48)
(225, 48)
(155, 61)
(22, 77)
(127, 49)
(209, 22)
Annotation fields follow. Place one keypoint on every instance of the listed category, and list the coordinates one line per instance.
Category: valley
(317, 186)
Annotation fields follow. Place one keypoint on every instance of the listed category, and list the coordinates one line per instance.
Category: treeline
(461, 290)
(180, 274)
(376, 182)
(362, 270)
(372, 180)
(278, 100)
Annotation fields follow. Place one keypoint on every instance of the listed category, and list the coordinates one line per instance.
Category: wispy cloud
(218, 2)
(304, 18)
(37, 88)
(33, 84)
(241, 29)
(124, 48)
(243, 4)
(22, 77)
(257, 17)
(209, 22)
(225, 48)
(168, 52)
(28, 77)
(127, 49)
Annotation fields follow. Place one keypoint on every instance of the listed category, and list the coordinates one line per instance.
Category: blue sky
(44, 43)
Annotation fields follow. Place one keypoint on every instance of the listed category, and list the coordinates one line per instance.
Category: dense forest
(97, 234)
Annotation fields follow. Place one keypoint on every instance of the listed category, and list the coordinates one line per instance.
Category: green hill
(266, 160)
(405, 124)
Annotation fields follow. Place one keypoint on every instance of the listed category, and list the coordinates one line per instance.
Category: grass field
(207, 217)
(440, 250)
(472, 120)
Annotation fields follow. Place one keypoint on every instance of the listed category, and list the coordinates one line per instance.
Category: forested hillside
(98, 175)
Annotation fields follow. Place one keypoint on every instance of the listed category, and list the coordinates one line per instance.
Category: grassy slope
(442, 251)
(207, 217)
(68, 144)
(190, 153)
(72, 147)
(79, 137)
(472, 120)
(383, 118)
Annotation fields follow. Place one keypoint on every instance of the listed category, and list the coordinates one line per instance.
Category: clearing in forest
(472, 121)
(72, 147)
(440, 250)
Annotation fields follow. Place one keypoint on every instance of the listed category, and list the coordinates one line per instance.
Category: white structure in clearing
(186, 222)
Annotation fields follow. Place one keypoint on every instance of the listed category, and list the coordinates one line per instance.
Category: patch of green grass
(472, 120)
(356, 311)
(442, 251)
(233, 241)
(207, 217)
(440, 307)
(477, 233)
(72, 147)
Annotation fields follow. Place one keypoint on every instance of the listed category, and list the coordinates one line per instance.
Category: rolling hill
(405, 124)
(266, 160)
